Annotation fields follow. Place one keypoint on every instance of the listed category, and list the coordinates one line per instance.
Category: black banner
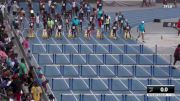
(160, 89)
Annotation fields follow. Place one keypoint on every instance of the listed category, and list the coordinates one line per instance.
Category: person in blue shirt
(99, 14)
(75, 21)
(141, 30)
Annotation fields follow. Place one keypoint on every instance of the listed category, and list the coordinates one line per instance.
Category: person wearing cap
(178, 27)
(141, 30)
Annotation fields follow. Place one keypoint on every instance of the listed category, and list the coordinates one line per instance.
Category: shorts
(59, 30)
(142, 32)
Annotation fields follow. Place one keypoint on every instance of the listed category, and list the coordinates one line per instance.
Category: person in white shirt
(59, 31)
(37, 20)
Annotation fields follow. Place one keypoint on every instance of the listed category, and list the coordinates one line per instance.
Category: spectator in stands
(17, 87)
(36, 91)
(177, 54)
(22, 68)
(3, 55)
(178, 27)
(141, 30)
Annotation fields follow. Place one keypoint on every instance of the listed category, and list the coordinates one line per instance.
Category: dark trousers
(144, 3)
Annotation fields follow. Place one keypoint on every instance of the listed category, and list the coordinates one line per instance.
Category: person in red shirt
(177, 54)
(178, 27)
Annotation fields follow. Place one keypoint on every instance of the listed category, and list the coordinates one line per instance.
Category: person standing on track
(73, 30)
(80, 23)
(114, 27)
(141, 30)
(175, 3)
(63, 10)
(31, 30)
(88, 32)
(59, 31)
(178, 27)
(107, 23)
(144, 2)
(37, 20)
(177, 55)
(45, 20)
(165, 3)
(49, 5)
(50, 26)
